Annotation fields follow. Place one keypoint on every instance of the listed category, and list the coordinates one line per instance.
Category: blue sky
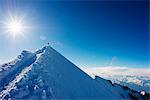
(90, 34)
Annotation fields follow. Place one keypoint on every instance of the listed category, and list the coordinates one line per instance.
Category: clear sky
(90, 34)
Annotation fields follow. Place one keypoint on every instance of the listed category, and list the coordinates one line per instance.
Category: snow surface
(46, 74)
(11, 69)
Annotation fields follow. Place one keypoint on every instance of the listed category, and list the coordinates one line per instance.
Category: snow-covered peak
(51, 76)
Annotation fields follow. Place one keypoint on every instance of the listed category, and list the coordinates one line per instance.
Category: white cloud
(136, 78)
(118, 70)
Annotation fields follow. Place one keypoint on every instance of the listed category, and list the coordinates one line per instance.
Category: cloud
(43, 37)
(135, 78)
(118, 70)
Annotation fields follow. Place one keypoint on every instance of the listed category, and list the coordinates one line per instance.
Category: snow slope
(9, 70)
(49, 75)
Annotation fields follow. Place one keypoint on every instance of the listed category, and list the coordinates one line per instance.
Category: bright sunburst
(15, 26)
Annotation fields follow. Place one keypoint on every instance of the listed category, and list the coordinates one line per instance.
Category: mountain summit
(46, 74)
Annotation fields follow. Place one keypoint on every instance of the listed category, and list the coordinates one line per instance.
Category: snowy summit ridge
(46, 74)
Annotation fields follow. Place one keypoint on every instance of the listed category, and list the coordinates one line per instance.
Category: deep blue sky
(90, 34)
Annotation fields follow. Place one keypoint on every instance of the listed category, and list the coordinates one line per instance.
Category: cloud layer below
(135, 78)
(117, 70)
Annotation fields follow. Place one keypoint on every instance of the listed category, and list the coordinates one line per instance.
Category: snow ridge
(49, 75)
(21, 59)
(25, 59)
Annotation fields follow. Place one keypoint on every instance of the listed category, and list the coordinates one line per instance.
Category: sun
(15, 26)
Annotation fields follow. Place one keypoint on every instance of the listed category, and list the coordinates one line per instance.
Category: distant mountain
(46, 74)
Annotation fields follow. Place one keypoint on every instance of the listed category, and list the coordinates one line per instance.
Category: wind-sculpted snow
(39, 51)
(23, 60)
(12, 85)
(52, 76)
